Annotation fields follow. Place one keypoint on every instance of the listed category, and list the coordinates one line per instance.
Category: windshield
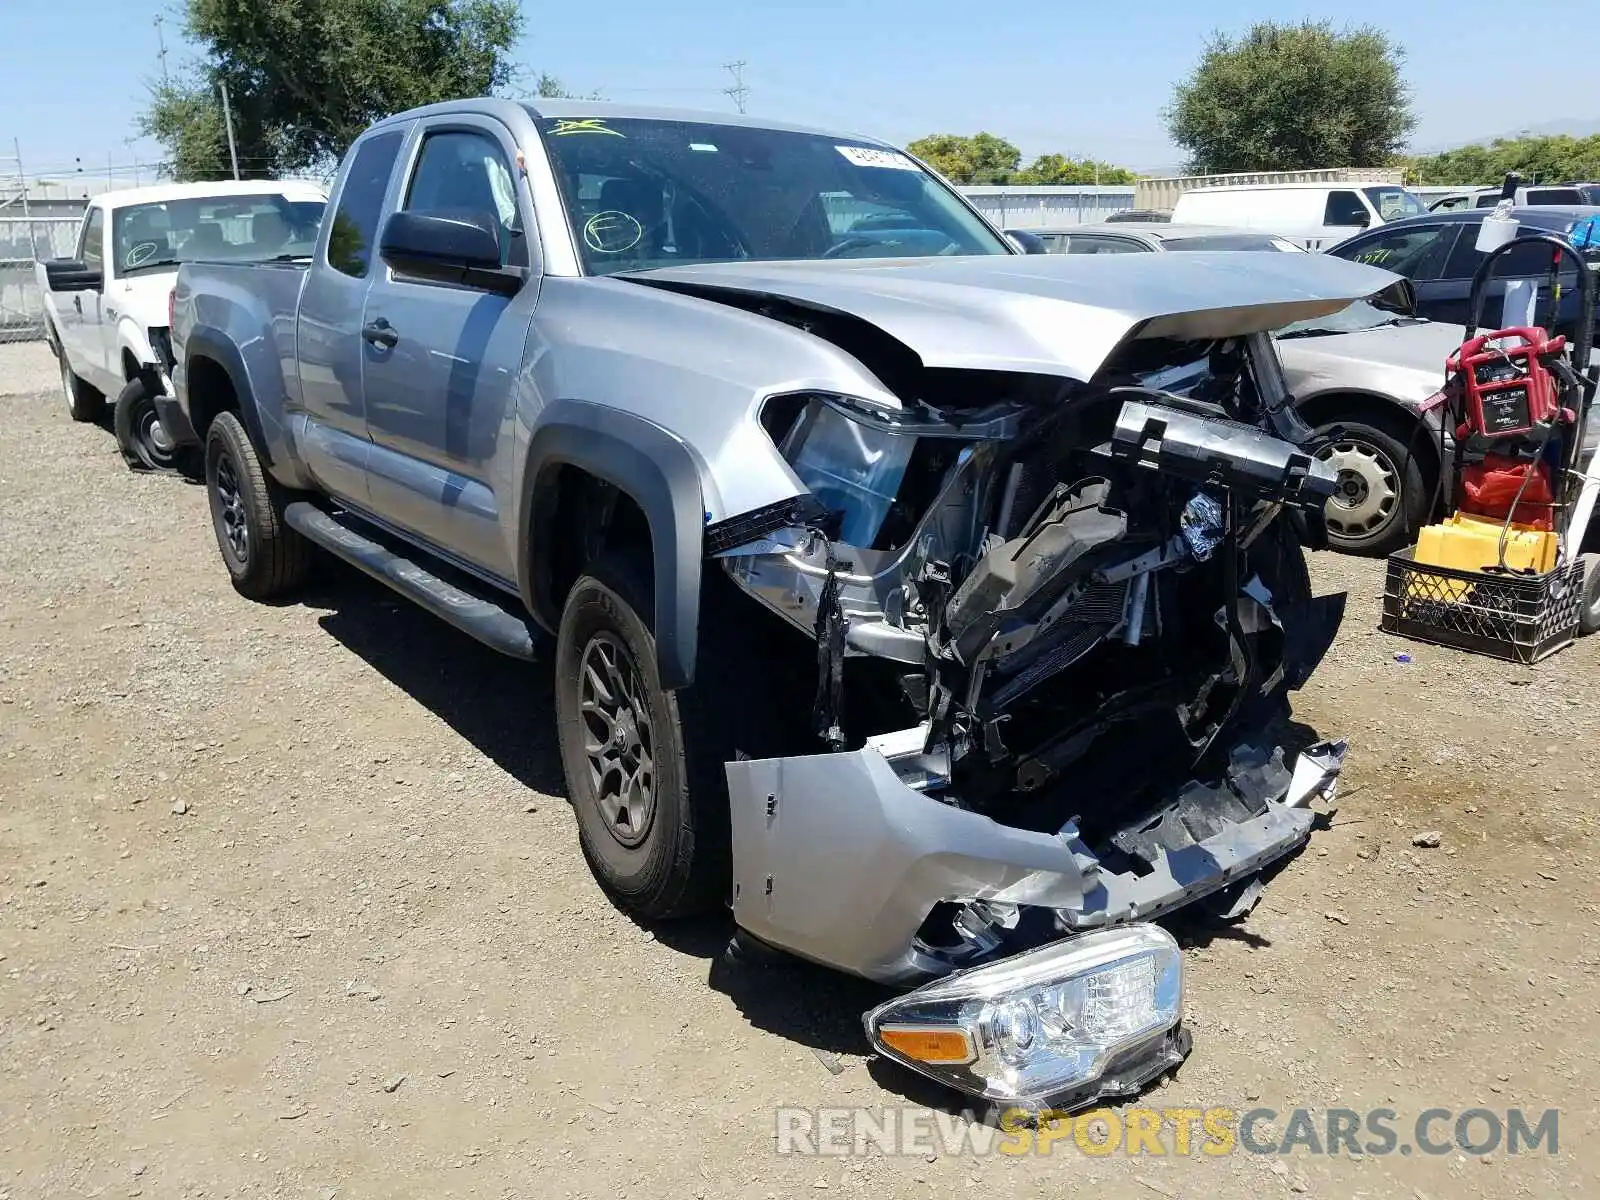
(149, 237)
(1231, 241)
(650, 193)
(1393, 203)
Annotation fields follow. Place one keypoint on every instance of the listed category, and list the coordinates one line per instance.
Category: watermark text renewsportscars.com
(1167, 1132)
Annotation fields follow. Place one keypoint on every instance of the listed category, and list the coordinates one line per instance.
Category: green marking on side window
(586, 125)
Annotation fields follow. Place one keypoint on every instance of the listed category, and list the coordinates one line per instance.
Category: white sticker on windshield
(866, 156)
(703, 147)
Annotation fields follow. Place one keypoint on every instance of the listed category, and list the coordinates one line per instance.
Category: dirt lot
(291, 904)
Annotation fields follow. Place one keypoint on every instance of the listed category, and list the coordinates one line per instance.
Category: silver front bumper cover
(839, 861)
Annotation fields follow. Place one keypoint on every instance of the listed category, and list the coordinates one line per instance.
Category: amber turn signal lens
(929, 1044)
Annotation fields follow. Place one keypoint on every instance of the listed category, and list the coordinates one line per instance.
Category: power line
(739, 91)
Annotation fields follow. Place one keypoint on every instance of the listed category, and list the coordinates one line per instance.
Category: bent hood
(1051, 314)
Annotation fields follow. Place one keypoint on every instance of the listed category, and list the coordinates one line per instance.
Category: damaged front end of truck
(1090, 599)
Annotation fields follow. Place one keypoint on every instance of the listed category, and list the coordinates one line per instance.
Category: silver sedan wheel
(1366, 497)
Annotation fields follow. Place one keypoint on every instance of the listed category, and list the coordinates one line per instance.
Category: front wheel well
(579, 519)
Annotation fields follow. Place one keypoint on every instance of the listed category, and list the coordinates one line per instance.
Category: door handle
(380, 333)
(77, 303)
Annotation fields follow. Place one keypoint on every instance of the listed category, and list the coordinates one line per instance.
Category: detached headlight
(1063, 1025)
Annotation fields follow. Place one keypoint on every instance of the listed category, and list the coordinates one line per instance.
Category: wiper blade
(147, 266)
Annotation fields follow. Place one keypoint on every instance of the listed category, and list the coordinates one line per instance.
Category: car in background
(1591, 192)
(106, 306)
(1131, 237)
(1489, 197)
(1438, 253)
(1141, 215)
(1315, 215)
(1360, 377)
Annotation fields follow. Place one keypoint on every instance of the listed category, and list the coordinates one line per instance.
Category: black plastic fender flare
(658, 471)
(206, 341)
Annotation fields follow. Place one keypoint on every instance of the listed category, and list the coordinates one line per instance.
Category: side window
(1488, 200)
(91, 246)
(465, 174)
(1345, 208)
(355, 222)
(1089, 244)
(1415, 251)
(1525, 262)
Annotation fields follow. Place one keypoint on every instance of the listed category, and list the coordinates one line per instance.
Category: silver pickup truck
(892, 604)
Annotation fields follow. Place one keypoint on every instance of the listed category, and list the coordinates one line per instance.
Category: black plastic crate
(1523, 618)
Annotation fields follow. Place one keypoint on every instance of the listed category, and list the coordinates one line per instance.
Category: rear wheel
(84, 403)
(265, 557)
(1381, 497)
(142, 438)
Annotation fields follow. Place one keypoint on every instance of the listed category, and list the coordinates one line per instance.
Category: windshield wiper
(154, 265)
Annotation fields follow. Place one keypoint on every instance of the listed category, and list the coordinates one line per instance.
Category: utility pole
(739, 91)
(227, 116)
(161, 40)
(22, 185)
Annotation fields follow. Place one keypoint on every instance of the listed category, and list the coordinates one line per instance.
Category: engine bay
(1073, 610)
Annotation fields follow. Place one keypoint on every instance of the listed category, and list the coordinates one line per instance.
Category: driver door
(441, 361)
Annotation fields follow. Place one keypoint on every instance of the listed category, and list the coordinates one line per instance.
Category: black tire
(270, 559)
(140, 436)
(675, 863)
(1589, 603)
(1372, 449)
(85, 404)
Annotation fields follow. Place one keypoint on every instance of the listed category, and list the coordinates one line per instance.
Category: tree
(1293, 97)
(306, 77)
(1057, 169)
(1539, 159)
(981, 158)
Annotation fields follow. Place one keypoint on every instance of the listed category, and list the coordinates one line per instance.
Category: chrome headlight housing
(1063, 1025)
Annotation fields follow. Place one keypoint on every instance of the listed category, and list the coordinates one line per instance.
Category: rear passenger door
(440, 396)
(332, 429)
(1453, 296)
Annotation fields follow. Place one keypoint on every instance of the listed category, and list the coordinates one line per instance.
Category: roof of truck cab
(610, 111)
(164, 192)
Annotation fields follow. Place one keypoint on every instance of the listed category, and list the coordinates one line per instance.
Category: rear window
(1562, 195)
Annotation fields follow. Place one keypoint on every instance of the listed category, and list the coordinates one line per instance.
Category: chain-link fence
(24, 239)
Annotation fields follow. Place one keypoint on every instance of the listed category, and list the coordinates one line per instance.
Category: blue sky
(1079, 79)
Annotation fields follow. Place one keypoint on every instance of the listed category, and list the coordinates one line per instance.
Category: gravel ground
(291, 904)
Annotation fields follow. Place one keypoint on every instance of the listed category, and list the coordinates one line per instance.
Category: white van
(1313, 215)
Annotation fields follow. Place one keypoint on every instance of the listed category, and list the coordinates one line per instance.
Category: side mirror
(447, 249)
(1400, 298)
(1028, 243)
(1362, 219)
(70, 275)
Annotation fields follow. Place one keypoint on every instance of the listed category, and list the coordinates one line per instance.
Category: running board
(490, 623)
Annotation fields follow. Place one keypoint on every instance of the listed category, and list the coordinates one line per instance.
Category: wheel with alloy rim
(144, 441)
(1379, 496)
(84, 403)
(643, 765)
(264, 556)
(618, 739)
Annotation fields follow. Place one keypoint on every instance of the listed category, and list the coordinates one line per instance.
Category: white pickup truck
(107, 305)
